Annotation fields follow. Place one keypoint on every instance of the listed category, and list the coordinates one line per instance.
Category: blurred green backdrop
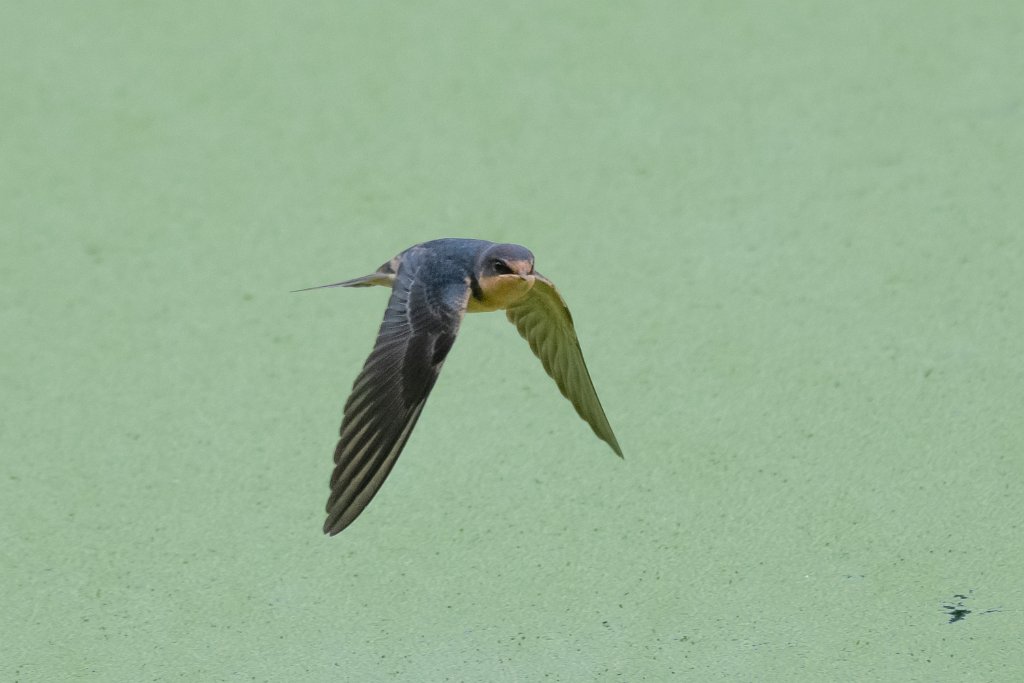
(791, 238)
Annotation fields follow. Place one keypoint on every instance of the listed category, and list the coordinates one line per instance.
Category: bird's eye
(501, 267)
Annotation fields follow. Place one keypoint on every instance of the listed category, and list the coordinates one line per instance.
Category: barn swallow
(433, 285)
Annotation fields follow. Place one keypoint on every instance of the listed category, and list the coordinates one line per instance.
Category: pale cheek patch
(501, 291)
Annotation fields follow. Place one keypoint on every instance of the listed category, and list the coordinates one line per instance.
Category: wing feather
(427, 304)
(544, 321)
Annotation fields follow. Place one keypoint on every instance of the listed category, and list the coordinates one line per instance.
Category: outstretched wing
(428, 302)
(543, 319)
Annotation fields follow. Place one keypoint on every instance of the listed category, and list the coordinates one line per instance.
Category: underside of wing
(419, 327)
(543, 319)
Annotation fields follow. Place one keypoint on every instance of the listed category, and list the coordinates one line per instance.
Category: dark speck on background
(958, 612)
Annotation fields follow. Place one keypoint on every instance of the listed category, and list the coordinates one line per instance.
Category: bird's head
(505, 275)
(506, 260)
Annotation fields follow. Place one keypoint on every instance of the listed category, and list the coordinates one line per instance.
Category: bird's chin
(520, 287)
(501, 292)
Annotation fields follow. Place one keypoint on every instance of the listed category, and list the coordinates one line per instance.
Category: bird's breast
(499, 292)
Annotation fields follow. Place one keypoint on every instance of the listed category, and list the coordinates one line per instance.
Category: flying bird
(433, 285)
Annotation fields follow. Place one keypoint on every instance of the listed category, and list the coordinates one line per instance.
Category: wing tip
(340, 515)
(335, 524)
(330, 526)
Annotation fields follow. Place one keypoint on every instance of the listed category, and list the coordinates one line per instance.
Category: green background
(791, 239)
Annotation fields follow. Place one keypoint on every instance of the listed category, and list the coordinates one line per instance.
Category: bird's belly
(499, 293)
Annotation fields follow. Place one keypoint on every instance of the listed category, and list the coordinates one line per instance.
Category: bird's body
(434, 284)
